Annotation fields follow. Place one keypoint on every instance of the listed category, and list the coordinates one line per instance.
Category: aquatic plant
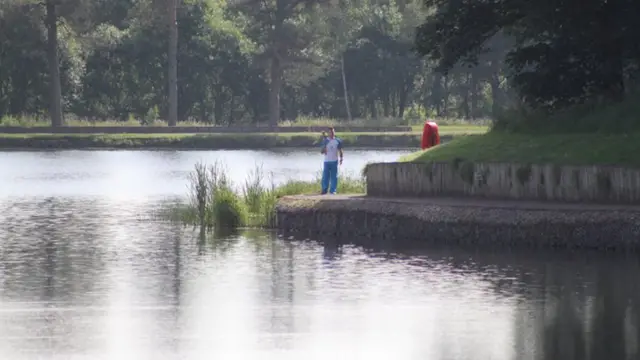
(214, 202)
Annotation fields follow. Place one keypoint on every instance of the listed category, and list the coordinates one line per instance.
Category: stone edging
(372, 220)
(595, 184)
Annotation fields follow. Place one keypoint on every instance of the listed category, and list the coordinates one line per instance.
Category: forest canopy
(560, 53)
(337, 59)
(261, 62)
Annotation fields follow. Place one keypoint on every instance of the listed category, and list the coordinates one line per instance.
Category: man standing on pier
(332, 150)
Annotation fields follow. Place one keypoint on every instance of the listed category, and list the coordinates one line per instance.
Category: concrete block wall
(598, 184)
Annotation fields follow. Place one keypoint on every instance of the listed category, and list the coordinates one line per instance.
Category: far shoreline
(16, 142)
(273, 149)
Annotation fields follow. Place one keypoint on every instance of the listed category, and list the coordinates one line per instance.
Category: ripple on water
(98, 277)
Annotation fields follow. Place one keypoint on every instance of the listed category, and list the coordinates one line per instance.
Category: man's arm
(340, 150)
(323, 146)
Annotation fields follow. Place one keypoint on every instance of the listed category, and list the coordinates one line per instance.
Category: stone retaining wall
(375, 220)
(505, 181)
(191, 129)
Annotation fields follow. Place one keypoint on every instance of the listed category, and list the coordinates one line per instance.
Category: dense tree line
(559, 53)
(236, 62)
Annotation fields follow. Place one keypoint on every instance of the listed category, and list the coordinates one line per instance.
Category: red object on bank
(430, 135)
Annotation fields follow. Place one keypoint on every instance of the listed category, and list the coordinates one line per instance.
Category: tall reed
(214, 202)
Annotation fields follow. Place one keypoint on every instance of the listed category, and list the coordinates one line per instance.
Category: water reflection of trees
(50, 255)
(599, 322)
(60, 238)
(569, 305)
(576, 305)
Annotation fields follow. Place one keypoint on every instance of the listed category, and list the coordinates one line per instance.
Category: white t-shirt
(333, 146)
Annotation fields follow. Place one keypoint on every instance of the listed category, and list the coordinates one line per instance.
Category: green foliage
(228, 209)
(212, 199)
(204, 141)
(215, 204)
(114, 57)
(557, 54)
(260, 198)
(589, 117)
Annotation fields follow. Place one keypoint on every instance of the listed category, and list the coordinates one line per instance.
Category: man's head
(332, 132)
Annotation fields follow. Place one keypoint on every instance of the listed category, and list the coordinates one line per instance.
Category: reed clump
(215, 202)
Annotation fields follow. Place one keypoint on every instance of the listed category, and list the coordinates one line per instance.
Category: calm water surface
(86, 272)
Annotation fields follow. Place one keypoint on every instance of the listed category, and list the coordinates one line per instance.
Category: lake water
(86, 272)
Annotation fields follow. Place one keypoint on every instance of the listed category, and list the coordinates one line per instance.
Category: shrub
(228, 210)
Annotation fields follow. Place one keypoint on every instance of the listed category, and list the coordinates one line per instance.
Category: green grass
(444, 131)
(590, 117)
(214, 204)
(474, 125)
(415, 123)
(96, 139)
(346, 135)
(106, 136)
(593, 133)
(561, 149)
(454, 129)
(211, 141)
(201, 141)
(28, 121)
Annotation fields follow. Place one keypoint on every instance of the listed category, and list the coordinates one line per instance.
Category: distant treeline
(237, 62)
(258, 62)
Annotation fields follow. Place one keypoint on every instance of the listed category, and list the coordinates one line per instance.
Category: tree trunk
(445, 96)
(344, 89)
(611, 52)
(218, 109)
(373, 108)
(496, 94)
(55, 102)
(203, 109)
(474, 96)
(173, 64)
(385, 102)
(274, 91)
(232, 106)
(436, 94)
(357, 105)
(402, 101)
(465, 97)
(394, 104)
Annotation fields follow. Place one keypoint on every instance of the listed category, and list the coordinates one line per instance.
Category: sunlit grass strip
(559, 149)
(204, 141)
(31, 121)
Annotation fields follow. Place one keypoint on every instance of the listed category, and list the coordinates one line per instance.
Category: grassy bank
(593, 133)
(619, 117)
(30, 121)
(215, 202)
(207, 141)
(200, 141)
(455, 129)
(561, 149)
